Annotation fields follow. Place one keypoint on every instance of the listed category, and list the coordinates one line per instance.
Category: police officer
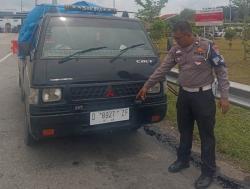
(198, 60)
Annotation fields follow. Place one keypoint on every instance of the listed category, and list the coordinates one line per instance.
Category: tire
(19, 81)
(22, 95)
(29, 140)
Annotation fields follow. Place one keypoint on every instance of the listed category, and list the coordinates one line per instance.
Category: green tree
(229, 35)
(150, 9)
(158, 29)
(244, 8)
(235, 15)
(187, 14)
(246, 42)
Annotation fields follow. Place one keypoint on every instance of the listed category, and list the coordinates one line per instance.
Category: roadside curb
(221, 179)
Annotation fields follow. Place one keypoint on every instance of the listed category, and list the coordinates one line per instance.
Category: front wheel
(22, 95)
(29, 140)
(19, 81)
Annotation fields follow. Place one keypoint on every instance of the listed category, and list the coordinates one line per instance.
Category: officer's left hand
(224, 105)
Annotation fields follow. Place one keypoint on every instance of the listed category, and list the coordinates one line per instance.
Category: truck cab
(81, 74)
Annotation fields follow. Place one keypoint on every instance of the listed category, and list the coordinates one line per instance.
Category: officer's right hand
(142, 94)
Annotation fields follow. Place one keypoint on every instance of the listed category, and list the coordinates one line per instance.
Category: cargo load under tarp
(31, 22)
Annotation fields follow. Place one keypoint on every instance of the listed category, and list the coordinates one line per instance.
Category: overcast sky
(173, 6)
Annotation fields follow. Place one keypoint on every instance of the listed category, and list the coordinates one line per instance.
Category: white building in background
(9, 25)
(8, 22)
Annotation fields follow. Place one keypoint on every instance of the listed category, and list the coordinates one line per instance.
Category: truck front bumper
(79, 123)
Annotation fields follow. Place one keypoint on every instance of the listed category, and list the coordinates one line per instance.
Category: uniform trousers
(200, 107)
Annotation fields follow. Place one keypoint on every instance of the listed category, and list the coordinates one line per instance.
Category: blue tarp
(32, 20)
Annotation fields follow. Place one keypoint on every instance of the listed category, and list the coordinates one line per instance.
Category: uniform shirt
(197, 65)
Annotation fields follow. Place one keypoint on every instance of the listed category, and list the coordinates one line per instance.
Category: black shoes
(204, 181)
(178, 166)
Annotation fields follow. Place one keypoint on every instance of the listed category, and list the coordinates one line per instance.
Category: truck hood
(50, 72)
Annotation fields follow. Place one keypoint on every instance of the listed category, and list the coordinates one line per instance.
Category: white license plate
(109, 116)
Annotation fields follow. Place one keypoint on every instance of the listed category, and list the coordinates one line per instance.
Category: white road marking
(4, 58)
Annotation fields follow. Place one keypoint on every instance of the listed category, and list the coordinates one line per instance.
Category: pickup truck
(80, 73)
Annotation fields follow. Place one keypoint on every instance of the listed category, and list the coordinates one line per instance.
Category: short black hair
(182, 26)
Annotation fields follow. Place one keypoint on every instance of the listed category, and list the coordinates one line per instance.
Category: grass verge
(238, 69)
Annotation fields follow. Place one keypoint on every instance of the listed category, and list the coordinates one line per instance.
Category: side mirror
(24, 48)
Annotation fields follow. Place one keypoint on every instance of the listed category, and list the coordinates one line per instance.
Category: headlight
(155, 89)
(33, 97)
(52, 94)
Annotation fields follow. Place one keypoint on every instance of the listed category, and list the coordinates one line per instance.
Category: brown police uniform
(197, 65)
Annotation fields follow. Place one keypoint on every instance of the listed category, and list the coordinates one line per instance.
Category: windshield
(66, 35)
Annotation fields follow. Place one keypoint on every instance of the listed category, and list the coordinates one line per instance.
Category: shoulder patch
(215, 58)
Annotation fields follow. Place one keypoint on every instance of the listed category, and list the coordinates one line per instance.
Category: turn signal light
(155, 118)
(48, 132)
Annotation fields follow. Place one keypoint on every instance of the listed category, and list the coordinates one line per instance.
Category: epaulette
(212, 56)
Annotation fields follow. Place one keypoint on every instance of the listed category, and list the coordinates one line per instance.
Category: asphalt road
(110, 161)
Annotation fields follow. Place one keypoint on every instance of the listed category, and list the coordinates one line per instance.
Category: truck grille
(105, 91)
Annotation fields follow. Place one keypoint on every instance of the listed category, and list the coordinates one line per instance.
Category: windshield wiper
(125, 50)
(69, 57)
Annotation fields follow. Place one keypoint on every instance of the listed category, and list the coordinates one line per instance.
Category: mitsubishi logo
(109, 92)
